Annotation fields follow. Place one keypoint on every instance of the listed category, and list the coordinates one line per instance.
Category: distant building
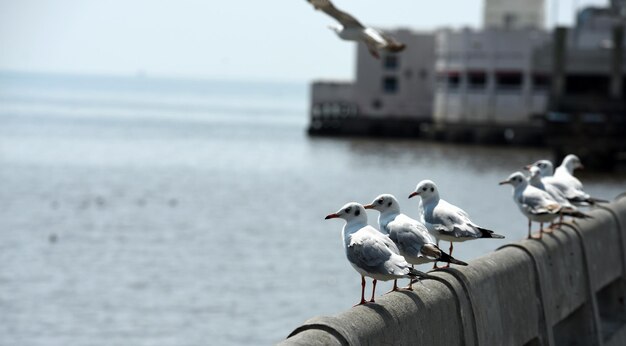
(487, 77)
(513, 14)
(397, 87)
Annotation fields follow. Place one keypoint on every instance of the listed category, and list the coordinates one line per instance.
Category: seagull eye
(348, 210)
(357, 212)
(380, 201)
(424, 188)
(432, 189)
(389, 204)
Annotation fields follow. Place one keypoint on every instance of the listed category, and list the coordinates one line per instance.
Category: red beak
(527, 167)
(331, 216)
(414, 194)
(581, 166)
(368, 206)
(504, 182)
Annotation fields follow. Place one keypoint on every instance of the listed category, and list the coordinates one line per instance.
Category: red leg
(362, 291)
(395, 286)
(373, 290)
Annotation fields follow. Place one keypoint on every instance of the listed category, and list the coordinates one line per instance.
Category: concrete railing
(567, 289)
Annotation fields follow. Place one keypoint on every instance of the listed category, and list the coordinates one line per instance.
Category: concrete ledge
(568, 288)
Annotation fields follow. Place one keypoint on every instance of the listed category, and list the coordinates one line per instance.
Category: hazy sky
(284, 40)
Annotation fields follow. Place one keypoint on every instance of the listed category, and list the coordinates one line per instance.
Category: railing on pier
(567, 289)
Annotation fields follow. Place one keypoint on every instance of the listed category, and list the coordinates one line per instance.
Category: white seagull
(370, 252)
(537, 205)
(413, 239)
(352, 30)
(535, 179)
(450, 222)
(569, 186)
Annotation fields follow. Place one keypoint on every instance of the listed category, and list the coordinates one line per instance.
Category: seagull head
(535, 174)
(546, 168)
(384, 203)
(572, 162)
(426, 189)
(516, 179)
(350, 212)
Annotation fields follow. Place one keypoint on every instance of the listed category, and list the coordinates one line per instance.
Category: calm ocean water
(138, 211)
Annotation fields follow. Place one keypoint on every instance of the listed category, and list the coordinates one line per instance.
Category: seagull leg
(373, 291)
(395, 286)
(410, 286)
(362, 291)
(529, 234)
(451, 248)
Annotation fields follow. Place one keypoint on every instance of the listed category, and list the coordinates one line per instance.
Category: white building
(487, 76)
(514, 14)
(396, 86)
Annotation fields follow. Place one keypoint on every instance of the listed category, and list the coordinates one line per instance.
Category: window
(377, 104)
(391, 62)
(477, 80)
(390, 85)
(454, 80)
(579, 84)
(541, 81)
(509, 80)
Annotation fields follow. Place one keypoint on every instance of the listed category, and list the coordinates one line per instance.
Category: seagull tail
(416, 274)
(576, 213)
(447, 258)
(396, 47)
(594, 201)
(487, 233)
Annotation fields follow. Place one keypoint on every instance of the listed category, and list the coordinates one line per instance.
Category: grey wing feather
(371, 254)
(346, 19)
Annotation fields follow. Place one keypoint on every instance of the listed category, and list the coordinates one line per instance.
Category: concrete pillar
(559, 61)
(617, 59)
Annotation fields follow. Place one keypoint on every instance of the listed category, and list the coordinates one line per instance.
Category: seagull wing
(409, 236)
(454, 221)
(371, 253)
(346, 19)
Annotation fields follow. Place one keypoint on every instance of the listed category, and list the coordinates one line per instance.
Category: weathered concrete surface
(567, 289)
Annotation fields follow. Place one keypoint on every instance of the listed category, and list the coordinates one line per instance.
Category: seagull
(450, 222)
(535, 179)
(569, 186)
(351, 29)
(370, 252)
(412, 237)
(537, 205)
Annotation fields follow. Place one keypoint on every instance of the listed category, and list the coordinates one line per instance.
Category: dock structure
(567, 289)
(511, 82)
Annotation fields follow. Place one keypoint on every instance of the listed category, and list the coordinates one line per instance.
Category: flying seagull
(351, 29)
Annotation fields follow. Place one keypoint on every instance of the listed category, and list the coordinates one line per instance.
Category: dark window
(454, 80)
(391, 62)
(390, 85)
(509, 80)
(587, 85)
(477, 80)
(541, 81)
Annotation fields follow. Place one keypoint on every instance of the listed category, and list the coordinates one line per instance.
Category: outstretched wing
(346, 19)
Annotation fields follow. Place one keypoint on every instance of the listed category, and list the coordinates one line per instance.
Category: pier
(566, 289)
